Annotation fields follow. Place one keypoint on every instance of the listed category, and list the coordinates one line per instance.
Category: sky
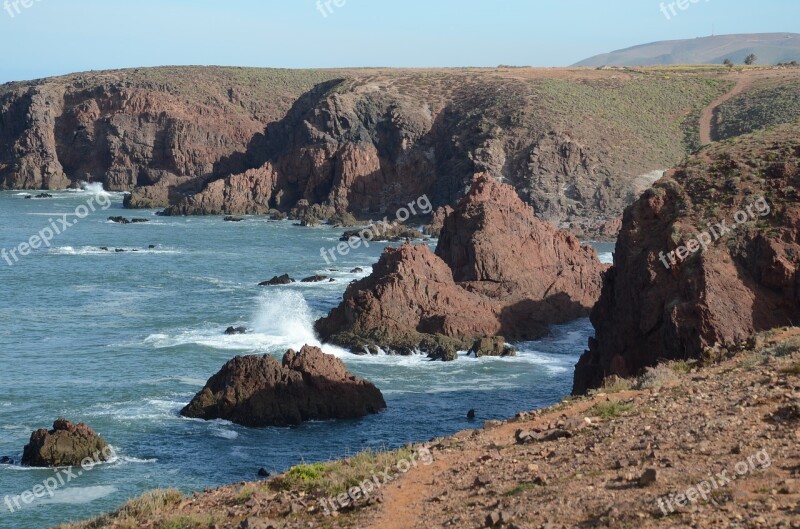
(52, 37)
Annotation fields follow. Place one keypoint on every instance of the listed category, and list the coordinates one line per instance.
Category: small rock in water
(233, 219)
(264, 473)
(151, 247)
(6, 461)
(471, 414)
(277, 280)
(235, 330)
(358, 270)
(314, 279)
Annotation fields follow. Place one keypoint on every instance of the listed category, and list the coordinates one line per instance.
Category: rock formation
(497, 270)
(260, 391)
(687, 275)
(66, 444)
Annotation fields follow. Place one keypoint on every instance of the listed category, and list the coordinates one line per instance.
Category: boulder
(307, 385)
(66, 444)
(277, 280)
(492, 346)
(235, 330)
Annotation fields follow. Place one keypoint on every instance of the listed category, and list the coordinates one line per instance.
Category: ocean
(123, 340)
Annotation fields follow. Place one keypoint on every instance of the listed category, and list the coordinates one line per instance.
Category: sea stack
(497, 270)
(307, 385)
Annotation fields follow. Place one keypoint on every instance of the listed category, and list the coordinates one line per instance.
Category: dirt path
(707, 117)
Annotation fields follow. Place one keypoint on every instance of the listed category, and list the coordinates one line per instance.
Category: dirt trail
(707, 117)
(404, 501)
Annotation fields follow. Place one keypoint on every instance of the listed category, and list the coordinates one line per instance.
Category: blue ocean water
(123, 340)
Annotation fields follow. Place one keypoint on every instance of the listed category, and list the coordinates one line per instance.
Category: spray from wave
(285, 314)
(95, 188)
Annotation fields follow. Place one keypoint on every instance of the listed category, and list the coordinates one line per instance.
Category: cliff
(574, 143)
(706, 258)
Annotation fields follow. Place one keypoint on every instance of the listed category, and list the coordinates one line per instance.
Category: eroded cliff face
(498, 270)
(740, 278)
(162, 129)
(237, 141)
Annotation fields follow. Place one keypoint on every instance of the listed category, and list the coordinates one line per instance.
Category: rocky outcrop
(248, 193)
(704, 260)
(66, 444)
(497, 271)
(305, 386)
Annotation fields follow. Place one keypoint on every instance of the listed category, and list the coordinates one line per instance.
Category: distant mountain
(771, 48)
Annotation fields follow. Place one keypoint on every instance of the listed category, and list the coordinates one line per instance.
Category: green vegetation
(520, 489)
(334, 477)
(610, 409)
(759, 108)
(793, 369)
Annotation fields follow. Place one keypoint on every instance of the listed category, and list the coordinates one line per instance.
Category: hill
(578, 145)
(770, 48)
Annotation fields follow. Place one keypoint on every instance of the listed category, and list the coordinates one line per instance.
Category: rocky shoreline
(633, 453)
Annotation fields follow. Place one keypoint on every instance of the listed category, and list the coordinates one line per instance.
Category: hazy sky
(62, 36)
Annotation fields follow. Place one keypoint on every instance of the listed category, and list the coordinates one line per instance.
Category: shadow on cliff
(536, 317)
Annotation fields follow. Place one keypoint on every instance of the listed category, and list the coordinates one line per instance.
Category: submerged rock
(278, 280)
(492, 346)
(315, 279)
(305, 386)
(66, 444)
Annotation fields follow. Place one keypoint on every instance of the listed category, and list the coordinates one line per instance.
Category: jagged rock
(314, 279)
(482, 281)
(305, 386)
(66, 444)
(277, 280)
(492, 346)
(742, 282)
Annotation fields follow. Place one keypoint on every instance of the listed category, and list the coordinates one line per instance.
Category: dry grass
(335, 477)
(149, 504)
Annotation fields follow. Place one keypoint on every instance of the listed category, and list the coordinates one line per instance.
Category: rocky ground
(726, 436)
